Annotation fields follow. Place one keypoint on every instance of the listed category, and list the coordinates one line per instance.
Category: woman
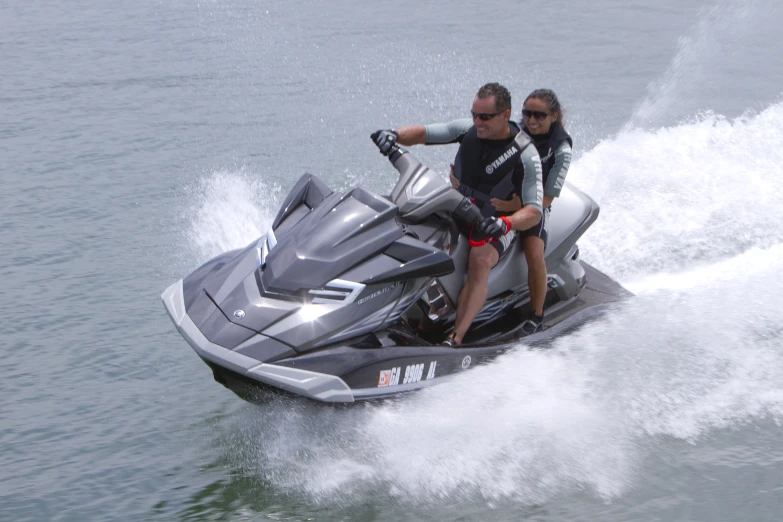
(542, 118)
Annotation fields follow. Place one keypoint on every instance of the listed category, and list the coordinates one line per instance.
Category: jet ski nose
(209, 331)
(231, 334)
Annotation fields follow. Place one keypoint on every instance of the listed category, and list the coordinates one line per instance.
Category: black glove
(386, 140)
(465, 190)
(495, 227)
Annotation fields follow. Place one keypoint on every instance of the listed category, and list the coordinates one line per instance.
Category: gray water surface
(139, 139)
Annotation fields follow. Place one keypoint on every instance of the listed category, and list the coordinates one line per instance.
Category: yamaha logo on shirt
(501, 160)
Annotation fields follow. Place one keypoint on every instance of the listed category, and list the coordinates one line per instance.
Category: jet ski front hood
(288, 288)
(343, 231)
(222, 301)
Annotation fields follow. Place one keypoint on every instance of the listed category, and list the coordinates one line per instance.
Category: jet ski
(348, 295)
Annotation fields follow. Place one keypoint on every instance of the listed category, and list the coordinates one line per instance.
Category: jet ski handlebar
(420, 193)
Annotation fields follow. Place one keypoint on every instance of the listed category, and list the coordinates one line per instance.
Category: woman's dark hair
(549, 96)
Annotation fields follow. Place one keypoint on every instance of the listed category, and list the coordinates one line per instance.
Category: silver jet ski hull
(346, 373)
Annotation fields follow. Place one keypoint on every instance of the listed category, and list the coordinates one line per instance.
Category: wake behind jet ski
(346, 296)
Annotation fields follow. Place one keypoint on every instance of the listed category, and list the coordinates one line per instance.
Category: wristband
(508, 224)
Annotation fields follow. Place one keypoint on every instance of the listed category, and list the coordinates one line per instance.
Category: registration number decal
(413, 373)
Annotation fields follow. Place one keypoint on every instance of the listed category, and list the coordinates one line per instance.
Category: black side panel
(407, 249)
(418, 259)
(308, 190)
(435, 264)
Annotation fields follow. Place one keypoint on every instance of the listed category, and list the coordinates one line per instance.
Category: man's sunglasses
(539, 115)
(484, 116)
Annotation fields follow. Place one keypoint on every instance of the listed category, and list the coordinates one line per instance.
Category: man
(495, 161)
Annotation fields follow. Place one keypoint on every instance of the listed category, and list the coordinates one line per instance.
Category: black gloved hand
(495, 227)
(386, 140)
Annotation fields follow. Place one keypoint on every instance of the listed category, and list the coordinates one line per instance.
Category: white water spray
(684, 196)
(228, 210)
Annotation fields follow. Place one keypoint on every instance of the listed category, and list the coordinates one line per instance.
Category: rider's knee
(481, 260)
(534, 252)
(534, 258)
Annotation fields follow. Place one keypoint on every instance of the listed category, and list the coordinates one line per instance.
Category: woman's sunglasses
(539, 115)
(484, 116)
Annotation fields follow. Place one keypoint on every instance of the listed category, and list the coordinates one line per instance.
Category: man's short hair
(501, 94)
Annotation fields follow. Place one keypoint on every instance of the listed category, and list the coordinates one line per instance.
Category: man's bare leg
(536, 273)
(474, 293)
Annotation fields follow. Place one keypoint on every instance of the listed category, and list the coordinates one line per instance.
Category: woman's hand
(510, 205)
(454, 180)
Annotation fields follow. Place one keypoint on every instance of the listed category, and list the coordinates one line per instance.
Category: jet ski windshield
(341, 232)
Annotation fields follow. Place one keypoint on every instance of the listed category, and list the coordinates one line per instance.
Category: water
(139, 139)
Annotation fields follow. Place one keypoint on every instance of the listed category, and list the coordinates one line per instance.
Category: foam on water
(690, 222)
(686, 195)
